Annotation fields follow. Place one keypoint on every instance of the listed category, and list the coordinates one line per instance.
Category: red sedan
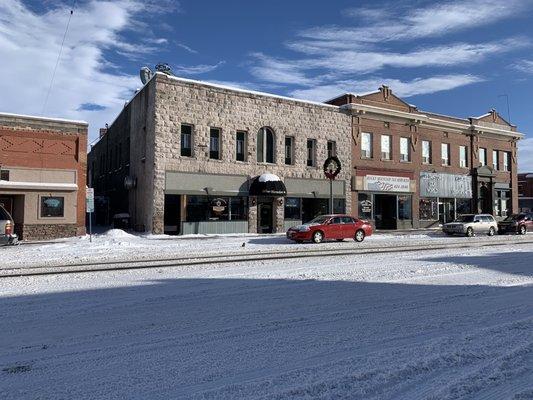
(336, 226)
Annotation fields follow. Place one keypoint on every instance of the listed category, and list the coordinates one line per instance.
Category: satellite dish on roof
(146, 74)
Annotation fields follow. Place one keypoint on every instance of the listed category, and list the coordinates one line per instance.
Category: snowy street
(454, 324)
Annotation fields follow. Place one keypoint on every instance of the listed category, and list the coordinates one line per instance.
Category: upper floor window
(332, 148)
(366, 145)
(214, 143)
(463, 157)
(4, 174)
(405, 149)
(426, 152)
(186, 140)
(386, 147)
(445, 153)
(241, 144)
(289, 150)
(495, 159)
(506, 161)
(265, 145)
(311, 152)
(482, 156)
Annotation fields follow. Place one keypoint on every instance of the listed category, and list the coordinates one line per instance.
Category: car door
(348, 227)
(334, 228)
(487, 223)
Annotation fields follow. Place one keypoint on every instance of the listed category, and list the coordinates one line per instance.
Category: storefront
(386, 200)
(443, 197)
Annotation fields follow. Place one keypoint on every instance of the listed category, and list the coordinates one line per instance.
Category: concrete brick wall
(180, 102)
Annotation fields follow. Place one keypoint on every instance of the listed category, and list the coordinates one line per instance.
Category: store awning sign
(445, 185)
(380, 183)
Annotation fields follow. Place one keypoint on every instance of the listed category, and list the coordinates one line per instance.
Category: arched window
(265, 145)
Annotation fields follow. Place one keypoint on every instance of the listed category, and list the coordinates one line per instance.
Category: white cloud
(400, 88)
(187, 48)
(196, 69)
(525, 155)
(524, 66)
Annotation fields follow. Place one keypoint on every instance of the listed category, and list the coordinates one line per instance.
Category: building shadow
(265, 338)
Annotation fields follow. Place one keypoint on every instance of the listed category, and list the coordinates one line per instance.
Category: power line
(57, 63)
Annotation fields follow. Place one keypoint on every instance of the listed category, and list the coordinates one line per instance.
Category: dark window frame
(241, 156)
(44, 214)
(215, 154)
(186, 151)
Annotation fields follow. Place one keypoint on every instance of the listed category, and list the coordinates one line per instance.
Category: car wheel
(469, 232)
(523, 230)
(492, 231)
(359, 235)
(318, 236)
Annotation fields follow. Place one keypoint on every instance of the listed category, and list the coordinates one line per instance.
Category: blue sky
(453, 57)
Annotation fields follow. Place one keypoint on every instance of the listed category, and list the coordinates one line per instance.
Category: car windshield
(465, 218)
(4, 215)
(319, 220)
(515, 217)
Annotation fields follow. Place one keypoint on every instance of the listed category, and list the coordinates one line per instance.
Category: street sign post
(89, 202)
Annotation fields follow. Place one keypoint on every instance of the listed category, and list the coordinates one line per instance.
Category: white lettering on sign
(381, 183)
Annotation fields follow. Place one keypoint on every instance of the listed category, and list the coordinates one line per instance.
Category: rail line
(117, 265)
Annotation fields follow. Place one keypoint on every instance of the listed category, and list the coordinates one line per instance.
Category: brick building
(183, 156)
(525, 192)
(43, 165)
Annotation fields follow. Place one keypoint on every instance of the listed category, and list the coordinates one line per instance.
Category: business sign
(445, 185)
(380, 183)
(366, 206)
(89, 200)
(218, 205)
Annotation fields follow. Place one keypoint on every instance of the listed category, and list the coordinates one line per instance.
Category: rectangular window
(293, 208)
(482, 156)
(495, 160)
(241, 144)
(52, 207)
(332, 148)
(405, 150)
(428, 209)
(463, 157)
(289, 150)
(311, 152)
(4, 175)
(365, 205)
(506, 161)
(366, 145)
(426, 152)
(386, 149)
(186, 140)
(404, 208)
(445, 153)
(214, 143)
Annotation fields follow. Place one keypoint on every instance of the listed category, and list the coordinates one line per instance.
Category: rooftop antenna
(57, 63)
(508, 108)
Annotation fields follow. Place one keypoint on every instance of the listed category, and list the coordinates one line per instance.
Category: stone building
(43, 164)
(190, 154)
(186, 157)
(415, 168)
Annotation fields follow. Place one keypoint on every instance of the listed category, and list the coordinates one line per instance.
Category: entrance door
(172, 218)
(446, 210)
(385, 211)
(265, 218)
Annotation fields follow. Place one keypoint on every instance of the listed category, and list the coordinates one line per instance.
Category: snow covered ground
(452, 324)
(119, 245)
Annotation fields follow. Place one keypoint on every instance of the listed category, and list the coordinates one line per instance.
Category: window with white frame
(495, 159)
(265, 145)
(426, 152)
(289, 150)
(506, 161)
(311, 152)
(445, 153)
(386, 148)
(463, 157)
(214, 143)
(366, 145)
(482, 156)
(405, 150)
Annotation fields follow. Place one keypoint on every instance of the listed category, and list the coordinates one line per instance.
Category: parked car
(470, 224)
(516, 223)
(335, 226)
(7, 227)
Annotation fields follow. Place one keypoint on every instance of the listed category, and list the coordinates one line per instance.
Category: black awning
(267, 185)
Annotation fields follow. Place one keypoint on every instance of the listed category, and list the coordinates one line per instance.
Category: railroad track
(116, 265)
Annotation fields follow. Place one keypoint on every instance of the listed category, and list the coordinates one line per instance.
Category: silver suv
(470, 224)
(7, 226)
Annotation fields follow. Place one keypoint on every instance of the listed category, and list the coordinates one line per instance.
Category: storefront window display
(404, 208)
(293, 208)
(502, 203)
(463, 206)
(429, 209)
(365, 205)
(209, 208)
